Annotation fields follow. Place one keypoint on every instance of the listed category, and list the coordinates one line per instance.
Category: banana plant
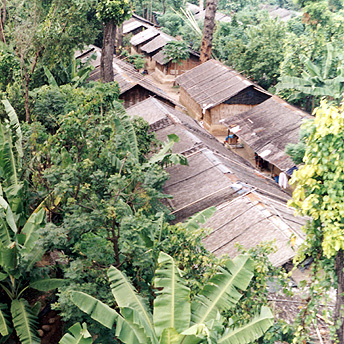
(176, 319)
(315, 80)
(78, 335)
(18, 237)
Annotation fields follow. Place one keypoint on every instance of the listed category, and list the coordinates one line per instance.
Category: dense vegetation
(81, 182)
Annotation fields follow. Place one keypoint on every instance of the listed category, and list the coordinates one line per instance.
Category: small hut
(134, 87)
(213, 92)
(250, 208)
(266, 130)
(166, 70)
(142, 38)
(153, 46)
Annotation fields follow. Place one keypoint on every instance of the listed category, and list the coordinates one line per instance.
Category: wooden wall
(222, 111)
(137, 94)
(193, 108)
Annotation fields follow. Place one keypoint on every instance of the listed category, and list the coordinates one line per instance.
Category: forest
(89, 251)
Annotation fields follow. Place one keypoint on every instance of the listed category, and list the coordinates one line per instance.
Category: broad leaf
(5, 328)
(79, 335)
(124, 125)
(200, 218)
(125, 330)
(127, 297)
(172, 307)
(9, 215)
(30, 229)
(50, 77)
(171, 336)
(47, 284)
(251, 331)
(221, 291)
(15, 125)
(25, 322)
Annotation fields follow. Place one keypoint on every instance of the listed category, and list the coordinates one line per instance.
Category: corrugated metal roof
(144, 36)
(268, 128)
(212, 83)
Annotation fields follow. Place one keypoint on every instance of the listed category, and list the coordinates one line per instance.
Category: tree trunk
(26, 98)
(2, 22)
(106, 61)
(119, 40)
(208, 30)
(338, 312)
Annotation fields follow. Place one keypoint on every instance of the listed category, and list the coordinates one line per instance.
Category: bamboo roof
(124, 73)
(268, 128)
(133, 24)
(157, 43)
(212, 83)
(217, 176)
(144, 36)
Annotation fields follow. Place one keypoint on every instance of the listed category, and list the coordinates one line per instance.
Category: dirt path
(168, 88)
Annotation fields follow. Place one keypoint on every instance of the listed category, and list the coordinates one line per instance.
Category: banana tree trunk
(106, 61)
(208, 30)
(338, 312)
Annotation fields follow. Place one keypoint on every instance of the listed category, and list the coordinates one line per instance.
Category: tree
(317, 80)
(175, 318)
(176, 51)
(43, 32)
(318, 193)
(208, 30)
(19, 246)
(112, 13)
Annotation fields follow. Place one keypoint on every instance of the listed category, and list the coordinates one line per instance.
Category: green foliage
(113, 10)
(20, 249)
(171, 23)
(319, 194)
(137, 60)
(297, 151)
(169, 324)
(79, 335)
(176, 51)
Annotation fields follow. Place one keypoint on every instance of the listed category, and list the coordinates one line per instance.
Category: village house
(143, 37)
(134, 87)
(265, 130)
(150, 43)
(212, 92)
(153, 47)
(167, 71)
(136, 24)
(251, 207)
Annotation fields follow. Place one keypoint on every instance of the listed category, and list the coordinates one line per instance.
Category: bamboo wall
(193, 108)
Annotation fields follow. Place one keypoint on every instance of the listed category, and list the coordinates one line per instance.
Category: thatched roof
(212, 83)
(162, 59)
(157, 43)
(144, 36)
(268, 128)
(133, 24)
(251, 219)
(217, 176)
(124, 73)
(281, 13)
